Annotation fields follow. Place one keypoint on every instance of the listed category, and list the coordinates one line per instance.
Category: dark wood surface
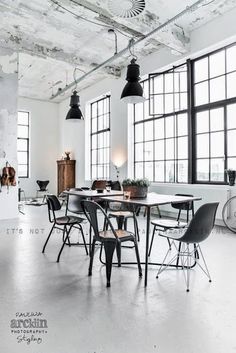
(65, 175)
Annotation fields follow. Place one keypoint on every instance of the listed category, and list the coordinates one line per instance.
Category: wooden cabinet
(65, 175)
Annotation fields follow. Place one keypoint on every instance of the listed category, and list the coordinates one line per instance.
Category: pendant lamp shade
(74, 113)
(133, 91)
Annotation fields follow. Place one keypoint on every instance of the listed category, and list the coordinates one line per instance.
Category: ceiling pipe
(188, 9)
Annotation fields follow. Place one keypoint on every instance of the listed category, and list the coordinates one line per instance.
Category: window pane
(170, 171)
(217, 119)
(148, 128)
(232, 163)
(231, 58)
(201, 93)
(23, 118)
(202, 121)
(183, 101)
(231, 85)
(169, 83)
(22, 145)
(169, 126)
(146, 110)
(138, 111)
(100, 108)
(217, 144)
(22, 157)
(217, 64)
(22, 170)
(159, 129)
(217, 89)
(177, 82)
(138, 170)
(94, 125)
(170, 149)
(23, 131)
(94, 157)
(202, 146)
(169, 103)
(203, 170)
(158, 105)
(177, 102)
(182, 123)
(183, 81)
(94, 110)
(231, 116)
(158, 84)
(182, 147)
(159, 150)
(159, 171)
(149, 171)
(201, 70)
(148, 151)
(139, 132)
(139, 151)
(183, 171)
(217, 170)
(231, 145)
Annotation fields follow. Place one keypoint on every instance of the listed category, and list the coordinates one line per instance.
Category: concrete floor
(83, 316)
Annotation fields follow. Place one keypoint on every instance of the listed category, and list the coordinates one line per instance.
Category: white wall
(44, 144)
(8, 128)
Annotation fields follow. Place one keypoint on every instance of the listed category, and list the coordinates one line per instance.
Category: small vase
(231, 176)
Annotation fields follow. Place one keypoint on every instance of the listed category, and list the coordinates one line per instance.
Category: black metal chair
(42, 188)
(111, 239)
(63, 223)
(198, 230)
(165, 224)
(73, 205)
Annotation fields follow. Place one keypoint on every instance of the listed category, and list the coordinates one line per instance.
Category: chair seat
(120, 214)
(123, 235)
(168, 223)
(68, 220)
(174, 233)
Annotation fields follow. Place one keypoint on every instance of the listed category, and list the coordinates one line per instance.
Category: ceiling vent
(126, 8)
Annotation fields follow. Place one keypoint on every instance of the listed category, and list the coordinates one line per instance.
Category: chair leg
(169, 243)
(64, 242)
(150, 249)
(82, 233)
(90, 239)
(206, 271)
(138, 258)
(179, 250)
(91, 258)
(118, 253)
(109, 247)
(50, 233)
(136, 231)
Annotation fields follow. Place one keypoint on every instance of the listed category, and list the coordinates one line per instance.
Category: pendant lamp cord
(131, 48)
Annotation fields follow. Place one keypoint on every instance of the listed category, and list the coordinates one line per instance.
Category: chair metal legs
(49, 235)
(91, 257)
(67, 232)
(109, 247)
(185, 255)
(151, 244)
(138, 258)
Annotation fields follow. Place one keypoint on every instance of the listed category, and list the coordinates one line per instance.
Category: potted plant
(231, 176)
(138, 188)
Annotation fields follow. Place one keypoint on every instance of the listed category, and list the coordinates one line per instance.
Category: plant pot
(231, 176)
(136, 192)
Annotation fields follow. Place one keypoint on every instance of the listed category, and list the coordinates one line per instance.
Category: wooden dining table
(152, 199)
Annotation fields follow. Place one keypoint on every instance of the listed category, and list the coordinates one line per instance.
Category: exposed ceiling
(55, 36)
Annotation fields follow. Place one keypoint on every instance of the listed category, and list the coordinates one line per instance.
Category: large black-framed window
(100, 138)
(23, 144)
(161, 128)
(214, 108)
(185, 132)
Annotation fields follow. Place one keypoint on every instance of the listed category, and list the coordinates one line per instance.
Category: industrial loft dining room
(117, 176)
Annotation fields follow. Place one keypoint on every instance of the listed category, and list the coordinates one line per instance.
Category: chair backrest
(202, 224)
(53, 205)
(91, 209)
(42, 184)
(187, 206)
(99, 184)
(74, 202)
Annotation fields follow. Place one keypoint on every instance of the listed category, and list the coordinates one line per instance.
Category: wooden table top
(152, 199)
(93, 193)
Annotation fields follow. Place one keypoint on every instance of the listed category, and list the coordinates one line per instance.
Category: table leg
(147, 243)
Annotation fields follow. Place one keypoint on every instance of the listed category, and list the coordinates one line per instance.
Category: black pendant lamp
(133, 91)
(74, 113)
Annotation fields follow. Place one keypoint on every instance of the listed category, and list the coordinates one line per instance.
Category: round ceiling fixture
(126, 8)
